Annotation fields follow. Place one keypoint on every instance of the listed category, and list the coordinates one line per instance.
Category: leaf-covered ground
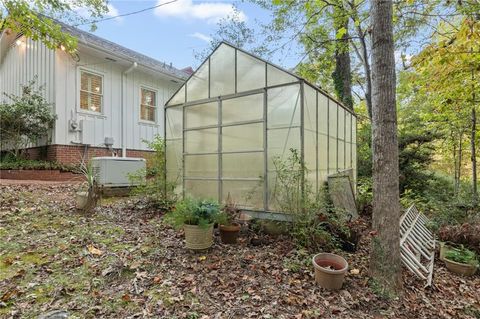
(123, 262)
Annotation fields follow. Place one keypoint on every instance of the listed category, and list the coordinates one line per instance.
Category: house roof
(122, 52)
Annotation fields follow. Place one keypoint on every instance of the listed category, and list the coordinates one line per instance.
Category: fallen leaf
(355, 271)
(202, 258)
(94, 251)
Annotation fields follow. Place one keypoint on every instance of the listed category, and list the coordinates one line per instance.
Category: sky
(173, 32)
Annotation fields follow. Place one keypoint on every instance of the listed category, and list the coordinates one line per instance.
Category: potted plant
(87, 195)
(461, 261)
(196, 217)
(330, 270)
(229, 229)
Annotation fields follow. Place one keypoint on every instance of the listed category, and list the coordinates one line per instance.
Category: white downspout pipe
(124, 107)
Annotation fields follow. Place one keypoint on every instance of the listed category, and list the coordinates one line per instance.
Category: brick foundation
(72, 154)
(40, 175)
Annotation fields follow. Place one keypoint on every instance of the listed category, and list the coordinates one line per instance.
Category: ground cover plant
(123, 261)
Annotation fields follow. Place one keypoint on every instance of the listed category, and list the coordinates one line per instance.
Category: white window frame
(151, 89)
(79, 90)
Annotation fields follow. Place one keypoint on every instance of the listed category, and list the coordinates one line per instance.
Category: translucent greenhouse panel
(341, 155)
(173, 156)
(242, 165)
(248, 137)
(322, 157)
(283, 106)
(354, 130)
(341, 123)
(332, 155)
(276, 193)
(310, 149)
(174, 121)
(310, 108)
(348, 140)
(201, 189)
(275, 76)
(201, 141)
(201, 166)
(222, 71)
(197, 85)
(178, 98)
(201, 115)
(332, 141)
(348, 127)
(246, 194)
(322, 114)
(245, 108)
(332, 119)
(250, 72)
(280, 141)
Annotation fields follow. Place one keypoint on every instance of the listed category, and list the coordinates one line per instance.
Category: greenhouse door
(224, 151)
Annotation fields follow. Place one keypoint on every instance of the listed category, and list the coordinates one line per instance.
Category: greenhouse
(236, 114)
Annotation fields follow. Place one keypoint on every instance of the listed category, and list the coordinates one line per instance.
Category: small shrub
(315, 224)
(25, 119)
(155, 190)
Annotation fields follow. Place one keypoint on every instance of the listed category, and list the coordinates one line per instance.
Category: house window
(148, 103)
(91, 91)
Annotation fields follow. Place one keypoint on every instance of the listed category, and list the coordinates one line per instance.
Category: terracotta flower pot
(197, 237)
(459, 268)
(229, 233)
(330, 270)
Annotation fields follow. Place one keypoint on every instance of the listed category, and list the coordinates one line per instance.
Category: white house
(105, 95)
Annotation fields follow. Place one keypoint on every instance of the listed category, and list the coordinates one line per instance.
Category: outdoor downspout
(124, 107)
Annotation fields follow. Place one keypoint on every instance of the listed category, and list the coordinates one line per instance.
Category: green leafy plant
(201, 212)
(462, 255)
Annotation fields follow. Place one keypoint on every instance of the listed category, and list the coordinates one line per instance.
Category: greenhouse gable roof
(227, 62)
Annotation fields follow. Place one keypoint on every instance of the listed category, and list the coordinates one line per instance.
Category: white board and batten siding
(107, 123)
(20, 63)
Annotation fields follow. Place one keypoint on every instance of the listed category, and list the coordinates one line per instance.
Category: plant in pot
(196, 217)
(461, 261)
(87, 195)
(229, 229)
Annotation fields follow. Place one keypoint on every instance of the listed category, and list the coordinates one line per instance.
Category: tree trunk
(342, 75)
(472, 141)
(474, 154)
(385, 262)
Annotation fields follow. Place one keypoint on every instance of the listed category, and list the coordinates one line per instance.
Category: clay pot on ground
(330, 270)
(81, 199)
(460, 268)
(229, 233)
(198, 237)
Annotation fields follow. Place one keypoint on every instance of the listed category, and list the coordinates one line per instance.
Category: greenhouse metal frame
(235, 114)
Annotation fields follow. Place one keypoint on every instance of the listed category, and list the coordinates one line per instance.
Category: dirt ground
(123, 262)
